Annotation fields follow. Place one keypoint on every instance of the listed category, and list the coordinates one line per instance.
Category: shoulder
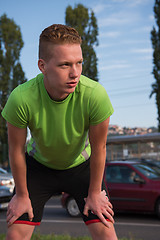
(29, 85)
(96, 99)
(90, 87)
(27, 89)
(23, 93)
(87, 82)
(20, 101)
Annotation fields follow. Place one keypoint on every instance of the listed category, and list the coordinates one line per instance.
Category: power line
(124, 78)
(134, 105)
(129, 88)
(129, 93)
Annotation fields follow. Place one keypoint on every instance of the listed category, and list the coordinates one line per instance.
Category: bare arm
(96, 200)
(20, 203)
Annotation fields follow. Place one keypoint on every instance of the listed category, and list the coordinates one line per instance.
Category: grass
(38, 236)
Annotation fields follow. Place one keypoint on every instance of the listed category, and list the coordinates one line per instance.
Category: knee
(19, 232)
(101, 232)
(13, 235)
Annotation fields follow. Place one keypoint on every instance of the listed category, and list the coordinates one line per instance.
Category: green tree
(155, 38)
(84, 21)
(11, 73)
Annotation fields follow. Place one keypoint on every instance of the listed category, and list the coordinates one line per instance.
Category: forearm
(97, 165)
(98, 138)
(16, 142)
(18, 167)
(20, 203)
(97, 200)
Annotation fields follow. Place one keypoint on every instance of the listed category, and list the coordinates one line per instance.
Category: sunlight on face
(63, 70)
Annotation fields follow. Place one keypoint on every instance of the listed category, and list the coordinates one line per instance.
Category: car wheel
(72, 208)
(158, 208)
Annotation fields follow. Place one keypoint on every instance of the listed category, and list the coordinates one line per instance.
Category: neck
(52, 94)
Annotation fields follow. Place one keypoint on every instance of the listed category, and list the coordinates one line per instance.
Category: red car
(132, 186)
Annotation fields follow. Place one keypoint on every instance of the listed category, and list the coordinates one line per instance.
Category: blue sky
(124, 52)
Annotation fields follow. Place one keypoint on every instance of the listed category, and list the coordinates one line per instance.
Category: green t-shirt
(59, 130)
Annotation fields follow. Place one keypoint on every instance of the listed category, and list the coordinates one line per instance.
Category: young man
(61, 108)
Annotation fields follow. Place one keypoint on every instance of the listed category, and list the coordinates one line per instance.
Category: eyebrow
(68, 62)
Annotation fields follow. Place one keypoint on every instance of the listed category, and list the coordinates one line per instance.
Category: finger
(110, 204)
(30, 215)
(103, 220)
(10, 214)
(85, 212)
(104, 192)
(11, 220)
(108, 215)
(9, 217)
(110, 210)
(8, 210)
(104, 198)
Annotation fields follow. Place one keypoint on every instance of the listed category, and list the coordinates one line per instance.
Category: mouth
(72, 84)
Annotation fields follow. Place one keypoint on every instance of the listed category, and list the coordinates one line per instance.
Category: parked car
(5, 196)
(132, 186)
(152, 162)
(6, 179)
(70, 204)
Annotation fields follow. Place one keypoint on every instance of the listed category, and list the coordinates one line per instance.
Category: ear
(41, 65)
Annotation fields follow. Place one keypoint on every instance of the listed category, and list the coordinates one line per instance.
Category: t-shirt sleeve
(100, 105)
(15, 110)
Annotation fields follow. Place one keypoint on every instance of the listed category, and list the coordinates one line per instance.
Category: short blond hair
(57, 34)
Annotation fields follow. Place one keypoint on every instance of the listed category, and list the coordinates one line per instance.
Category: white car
(5, 196)
(6, 179)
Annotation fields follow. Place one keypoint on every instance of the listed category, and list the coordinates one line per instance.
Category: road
(56, 220)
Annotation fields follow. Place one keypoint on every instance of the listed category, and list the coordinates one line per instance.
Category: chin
(71, 90)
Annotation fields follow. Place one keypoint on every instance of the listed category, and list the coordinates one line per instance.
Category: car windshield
(151, 172)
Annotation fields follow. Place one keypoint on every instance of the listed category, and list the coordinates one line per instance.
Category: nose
(74, 72)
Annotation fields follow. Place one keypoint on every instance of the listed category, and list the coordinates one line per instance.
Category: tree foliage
(84, 21)
(11, 73)
(155, 38)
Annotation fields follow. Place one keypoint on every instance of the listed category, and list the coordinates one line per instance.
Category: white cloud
(145, 29)
(146, 58)
(151, 17)
(105, 45)
(98, 8)
(135, 41)
(118, 18)
(142, 50)
(114, 66)
(131, 3)
(112, 34)
(112, 20)
(119, 1)
(135, 3)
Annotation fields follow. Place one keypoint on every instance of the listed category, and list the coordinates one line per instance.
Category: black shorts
(44, 182)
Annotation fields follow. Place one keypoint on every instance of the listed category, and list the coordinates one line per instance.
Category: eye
(80, 62)
(64, 65)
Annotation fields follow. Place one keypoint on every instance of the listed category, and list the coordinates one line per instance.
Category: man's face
(63, 70)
